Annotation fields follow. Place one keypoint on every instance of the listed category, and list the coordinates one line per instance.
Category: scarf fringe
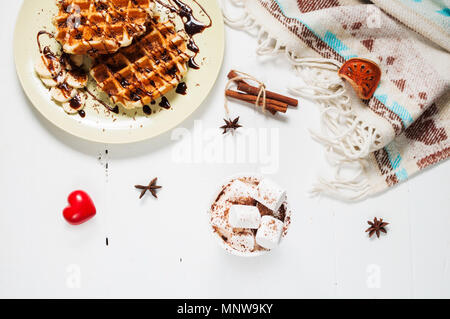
(347, 140)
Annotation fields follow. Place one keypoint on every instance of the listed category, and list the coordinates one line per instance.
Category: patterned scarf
(405, 126)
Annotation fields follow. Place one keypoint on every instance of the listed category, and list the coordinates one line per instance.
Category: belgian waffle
(100, 26)
(149, 68)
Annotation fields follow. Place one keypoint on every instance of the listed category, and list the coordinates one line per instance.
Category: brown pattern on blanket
(424, 128)
(434, 158)
(308, 5)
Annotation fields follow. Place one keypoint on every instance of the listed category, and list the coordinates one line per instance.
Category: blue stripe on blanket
(402, 175)
(444, 12)
(398, 109)
(338, 46)
(393, 155)
(396, 159)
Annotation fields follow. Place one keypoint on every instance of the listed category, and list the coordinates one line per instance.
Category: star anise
(231, 125)
(152, 187)
(376, 226)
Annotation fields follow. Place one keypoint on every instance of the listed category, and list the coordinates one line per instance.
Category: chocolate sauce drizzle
(193, 46)
(147, 110)
(181, 88)
(64, 59)
(75, 102)
(164, 103)
(75, 71)
(192, 64)
(114, 109)
(50, 60)
(40, 33)
(116, 15)
(192, 26)
(82, 113)
(50, 57)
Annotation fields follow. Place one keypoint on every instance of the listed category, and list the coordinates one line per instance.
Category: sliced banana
(78, 60)
(126, 41)
(67, 47)
(76, 80)
(129, 104)
(54, 82)
(76, 104)
(61, 94)
(49, 82)
(47, 68)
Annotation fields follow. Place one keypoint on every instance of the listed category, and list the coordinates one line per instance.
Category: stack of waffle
(137, 57)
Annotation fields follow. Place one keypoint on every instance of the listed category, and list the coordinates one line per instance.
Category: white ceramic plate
(99, 125)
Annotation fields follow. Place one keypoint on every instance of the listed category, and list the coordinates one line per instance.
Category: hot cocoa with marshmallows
(250, 215)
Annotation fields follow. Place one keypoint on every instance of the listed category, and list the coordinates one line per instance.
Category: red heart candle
(81, 208)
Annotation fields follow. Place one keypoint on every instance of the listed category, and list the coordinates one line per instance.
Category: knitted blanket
(405, 126)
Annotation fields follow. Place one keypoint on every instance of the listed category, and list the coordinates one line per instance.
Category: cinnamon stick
(232, 74)
(272, 106)
(245, 87)
(253, 98)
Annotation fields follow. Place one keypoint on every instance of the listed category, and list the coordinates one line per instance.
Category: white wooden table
(163, 248)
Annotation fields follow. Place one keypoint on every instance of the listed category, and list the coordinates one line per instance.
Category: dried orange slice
(364, 75)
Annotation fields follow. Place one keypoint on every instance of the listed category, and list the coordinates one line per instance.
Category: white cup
(218, 238)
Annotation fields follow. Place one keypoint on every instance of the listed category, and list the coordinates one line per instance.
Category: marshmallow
(270, 194)
(243, 241)
(242, 216)
(269, 233)
(239, 189)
